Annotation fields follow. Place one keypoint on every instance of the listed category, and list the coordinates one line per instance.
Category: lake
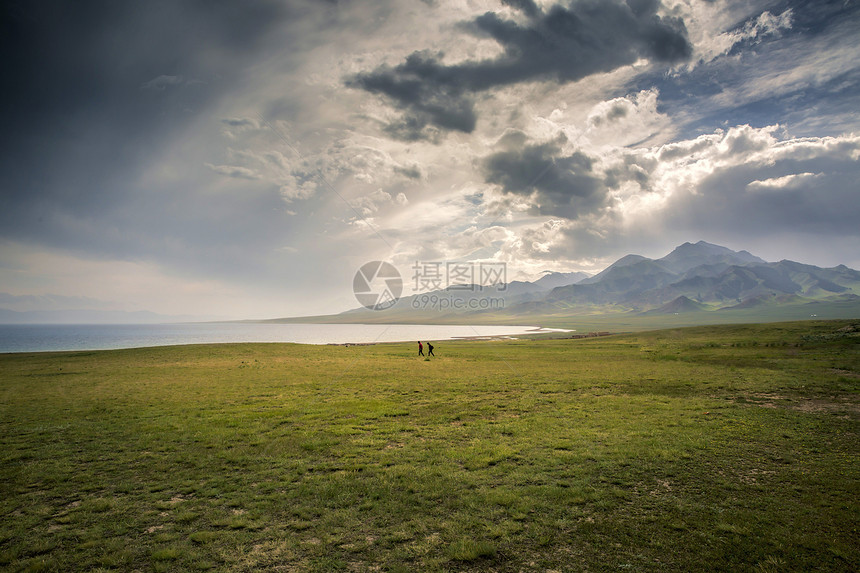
(43, 337)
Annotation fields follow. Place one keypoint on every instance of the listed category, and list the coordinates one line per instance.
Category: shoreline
(18, 339)
(474, 337)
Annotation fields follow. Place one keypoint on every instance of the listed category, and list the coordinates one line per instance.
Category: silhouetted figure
(420, 348)
(430, 350)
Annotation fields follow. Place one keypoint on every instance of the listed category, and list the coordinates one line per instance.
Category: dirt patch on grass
(846, 373)
(753, 475)
(762, 399)
(832, 404)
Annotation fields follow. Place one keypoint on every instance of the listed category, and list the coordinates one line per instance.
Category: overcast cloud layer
(243, 159)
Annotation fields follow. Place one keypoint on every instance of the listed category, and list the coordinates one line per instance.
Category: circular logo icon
(377, 285)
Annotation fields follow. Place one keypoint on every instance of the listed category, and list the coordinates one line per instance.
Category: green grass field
(730, 448)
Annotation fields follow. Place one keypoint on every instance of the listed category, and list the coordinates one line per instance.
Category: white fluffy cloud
(752, 31)
(740, 182)
(629, 120)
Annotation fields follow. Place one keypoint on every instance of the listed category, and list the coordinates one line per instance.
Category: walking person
(430, 350)
(421, 348)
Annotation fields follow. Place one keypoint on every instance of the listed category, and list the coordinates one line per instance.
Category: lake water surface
(44, 337)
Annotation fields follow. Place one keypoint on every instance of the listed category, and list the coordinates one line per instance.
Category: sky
(243, 159)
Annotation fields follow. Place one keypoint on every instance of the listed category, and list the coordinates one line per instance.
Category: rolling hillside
(700, 281)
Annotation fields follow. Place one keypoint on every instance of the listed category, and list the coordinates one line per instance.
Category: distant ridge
(766, 300)
(694, 279)
(689, 256)
(552, 279)
(679, 305)
(624, 261)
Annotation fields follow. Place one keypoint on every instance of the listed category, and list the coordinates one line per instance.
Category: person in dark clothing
(420, 349)
(430, 350)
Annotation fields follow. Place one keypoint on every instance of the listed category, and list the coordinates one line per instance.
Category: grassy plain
(731, 448)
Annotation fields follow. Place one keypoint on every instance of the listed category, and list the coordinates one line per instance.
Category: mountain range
(694, 277)
(700, 281)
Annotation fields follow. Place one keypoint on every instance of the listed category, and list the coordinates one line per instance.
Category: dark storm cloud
(432, 93)
(563, 185)
(93, 93)
(613, 114)
(564, 44)
(162, 82)
(69, 57)
(631, 168)
(412, 172)
(239, 122)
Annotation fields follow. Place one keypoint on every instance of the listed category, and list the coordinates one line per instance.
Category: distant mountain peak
(554, 279)
(682, 304)
(688, 256)
(628, 260)
(701, 247)
(625, 261)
